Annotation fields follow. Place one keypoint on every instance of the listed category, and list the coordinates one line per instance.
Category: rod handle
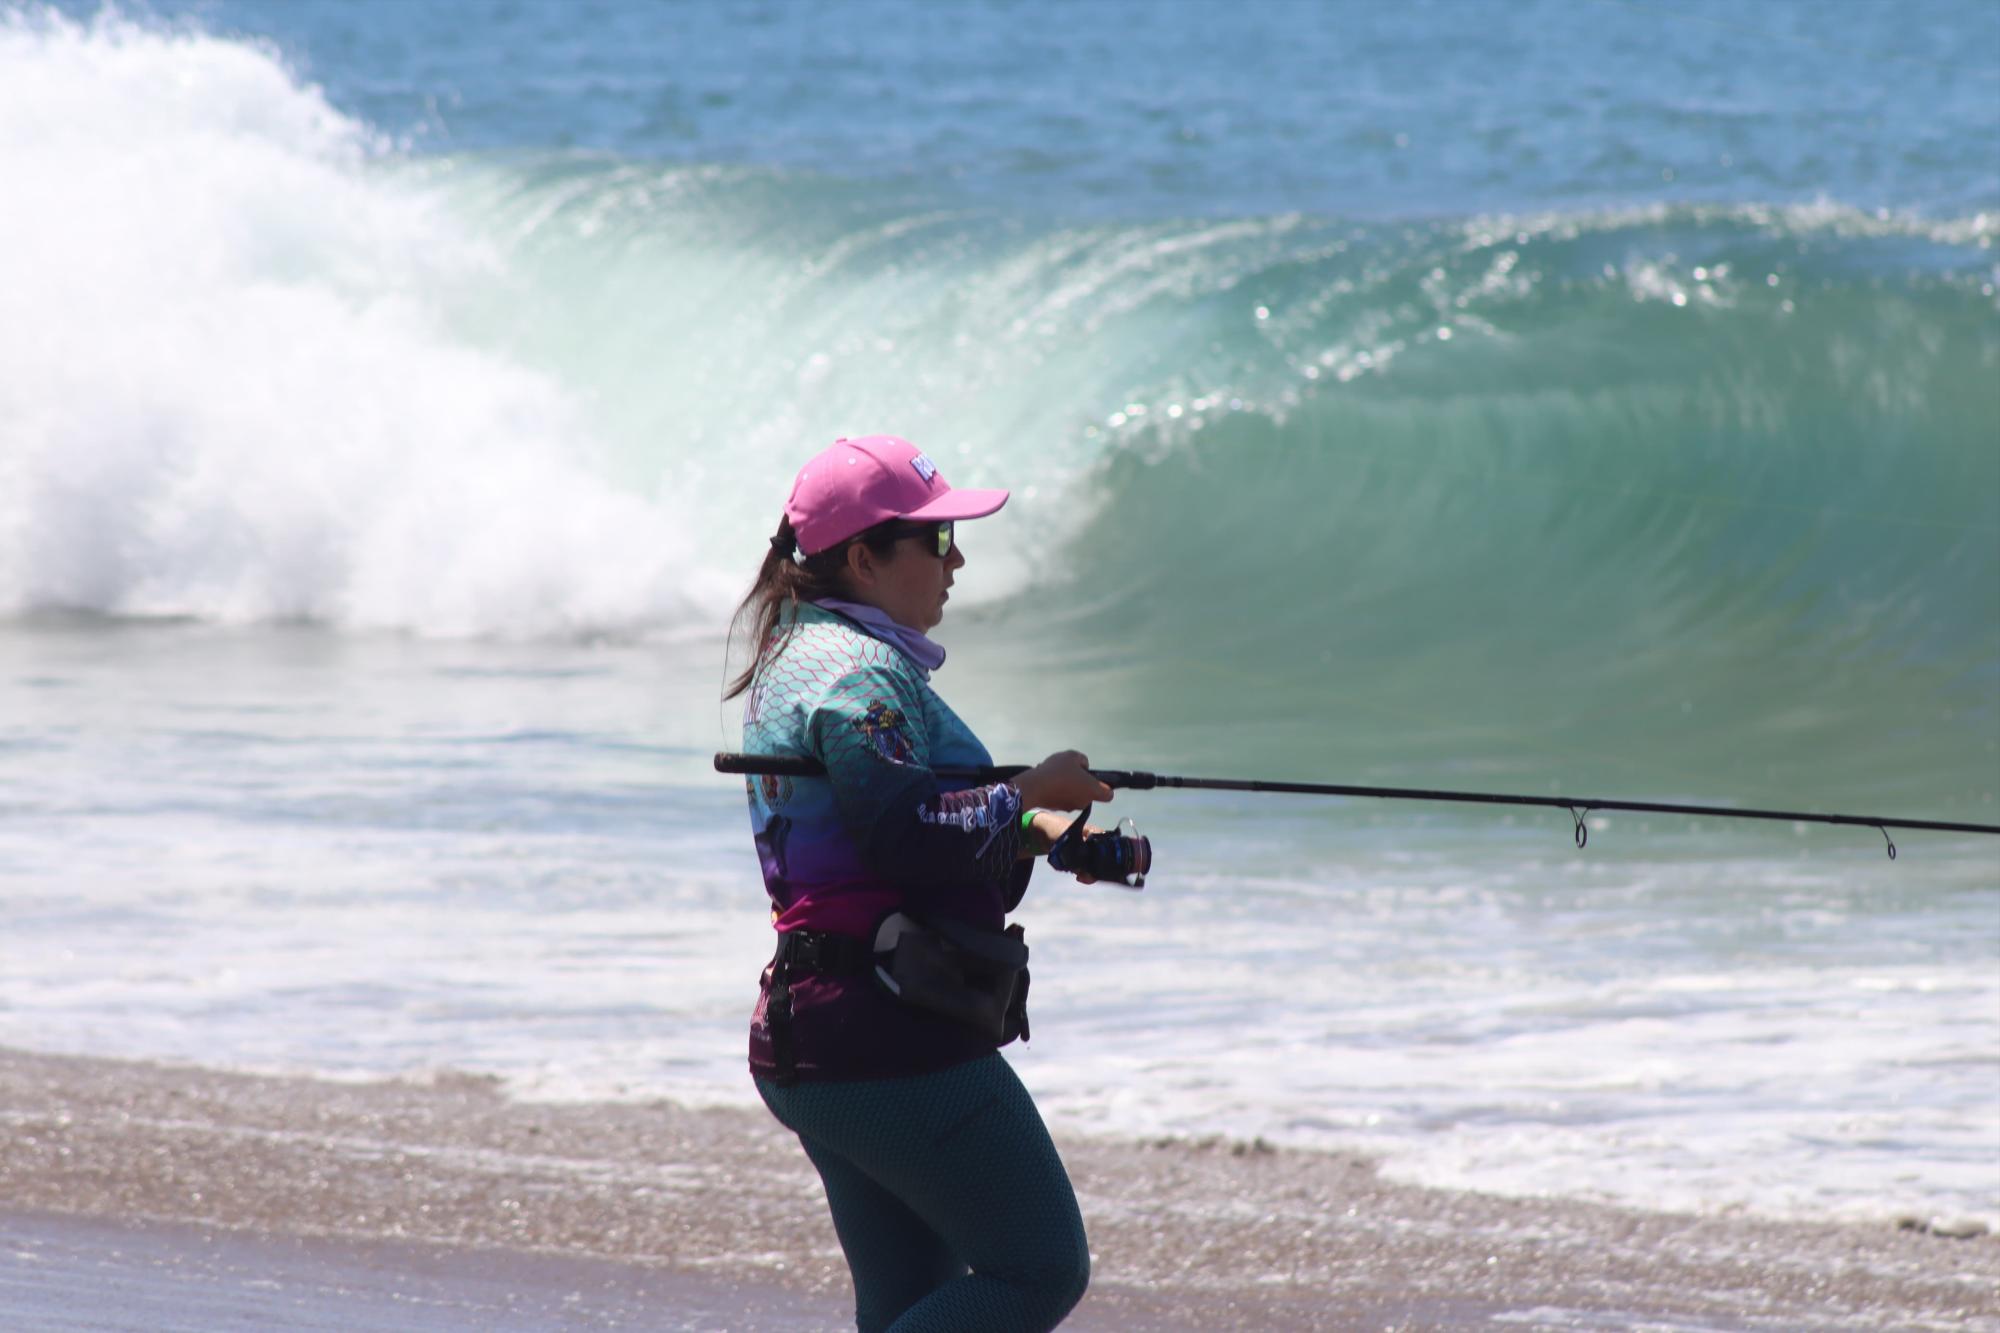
(804, 766)
(777, 765)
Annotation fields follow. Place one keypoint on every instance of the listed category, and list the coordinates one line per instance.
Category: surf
(1712, 484)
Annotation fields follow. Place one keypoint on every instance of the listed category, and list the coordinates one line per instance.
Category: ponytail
(783, 581)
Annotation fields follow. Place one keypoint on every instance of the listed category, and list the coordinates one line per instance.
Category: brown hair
(783, 582)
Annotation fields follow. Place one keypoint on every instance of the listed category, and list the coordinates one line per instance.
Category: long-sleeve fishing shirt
(878, 834)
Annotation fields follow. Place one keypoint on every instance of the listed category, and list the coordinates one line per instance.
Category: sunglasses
(940, 535)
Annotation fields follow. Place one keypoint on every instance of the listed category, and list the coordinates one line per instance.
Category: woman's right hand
(1063, 781)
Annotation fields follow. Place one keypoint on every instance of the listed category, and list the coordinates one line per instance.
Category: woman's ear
(861, 565)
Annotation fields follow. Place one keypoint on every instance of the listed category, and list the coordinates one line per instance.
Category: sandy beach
(140, 1196)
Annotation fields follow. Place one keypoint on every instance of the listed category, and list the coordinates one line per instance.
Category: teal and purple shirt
(878, 834)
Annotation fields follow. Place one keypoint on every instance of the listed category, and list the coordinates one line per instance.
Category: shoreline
(450, 1195)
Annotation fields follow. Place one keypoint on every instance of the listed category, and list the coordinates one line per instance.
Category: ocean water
(1602, 398)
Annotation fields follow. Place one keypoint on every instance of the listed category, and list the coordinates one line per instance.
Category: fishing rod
(1579, 808)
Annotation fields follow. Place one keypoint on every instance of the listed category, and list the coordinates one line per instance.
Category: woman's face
(911, 584)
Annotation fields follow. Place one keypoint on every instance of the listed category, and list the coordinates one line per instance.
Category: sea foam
(232, 389)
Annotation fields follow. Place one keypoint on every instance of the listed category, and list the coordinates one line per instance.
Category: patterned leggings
(935, 1174)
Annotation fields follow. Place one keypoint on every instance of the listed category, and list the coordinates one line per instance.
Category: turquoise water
(1602, 400)
(1697, 464)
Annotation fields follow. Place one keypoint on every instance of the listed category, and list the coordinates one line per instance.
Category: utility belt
(972, 976)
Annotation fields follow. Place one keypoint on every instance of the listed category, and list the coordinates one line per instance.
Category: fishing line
(1578, 808)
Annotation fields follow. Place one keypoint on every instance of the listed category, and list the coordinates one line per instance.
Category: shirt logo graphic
(883, 726)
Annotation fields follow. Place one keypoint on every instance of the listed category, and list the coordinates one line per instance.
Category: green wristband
(1027, 822)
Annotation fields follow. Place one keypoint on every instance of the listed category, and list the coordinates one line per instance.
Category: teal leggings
(937, 1174)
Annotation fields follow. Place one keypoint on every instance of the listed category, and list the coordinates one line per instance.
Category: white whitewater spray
(230, 390)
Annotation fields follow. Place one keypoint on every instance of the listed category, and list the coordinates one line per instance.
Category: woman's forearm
(1042, 830)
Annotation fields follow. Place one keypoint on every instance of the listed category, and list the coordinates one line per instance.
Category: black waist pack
(977, 977)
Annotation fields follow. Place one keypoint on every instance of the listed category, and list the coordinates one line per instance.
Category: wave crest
(234, 391)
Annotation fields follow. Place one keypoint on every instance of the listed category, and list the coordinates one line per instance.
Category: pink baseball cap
(855, 484)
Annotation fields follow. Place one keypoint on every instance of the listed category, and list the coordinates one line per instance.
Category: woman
(948, 1197)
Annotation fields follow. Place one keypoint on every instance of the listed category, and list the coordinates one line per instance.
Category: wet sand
(138, 1196)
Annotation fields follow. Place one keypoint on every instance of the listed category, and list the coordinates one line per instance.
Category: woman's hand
(1063, 781)
(1045, 828)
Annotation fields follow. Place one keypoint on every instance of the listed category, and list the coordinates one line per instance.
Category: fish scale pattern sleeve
(871, 728)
